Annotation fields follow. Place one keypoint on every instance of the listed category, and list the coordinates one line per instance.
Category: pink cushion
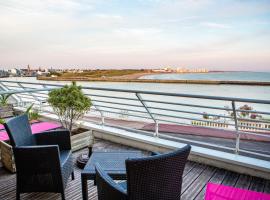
(32, 122)
(36, 128)
(221, 192)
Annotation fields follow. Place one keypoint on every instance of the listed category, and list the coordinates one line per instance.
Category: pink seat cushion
(36, 128)
(221, 192)
(32, 122)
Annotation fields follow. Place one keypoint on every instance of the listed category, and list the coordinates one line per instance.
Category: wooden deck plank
(230, 179)
(193, 174)
(243, 181)
(267, 187)
(189, 166)
(257, 184)
(195, 188)
(218, 177)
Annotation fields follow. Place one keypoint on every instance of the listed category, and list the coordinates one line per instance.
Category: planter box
(81, 140)
(78, 141)
(6, 111)
(7, 157)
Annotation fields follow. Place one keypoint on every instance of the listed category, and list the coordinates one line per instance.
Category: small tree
(69, 103)
(245, 109)
(205, 115)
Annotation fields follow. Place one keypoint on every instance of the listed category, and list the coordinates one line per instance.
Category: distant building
(4, 73)
(180, 70)
(28, 72)
(15, 72)
(42, 72)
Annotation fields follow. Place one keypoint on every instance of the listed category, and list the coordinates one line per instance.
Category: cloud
(105, 32)
(215, 25)
(45, 6)
(137, 32)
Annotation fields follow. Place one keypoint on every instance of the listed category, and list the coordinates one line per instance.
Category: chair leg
(72, 175)
(63, 195)
(17, 196)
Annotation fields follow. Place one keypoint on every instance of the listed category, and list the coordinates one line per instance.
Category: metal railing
(163, 108)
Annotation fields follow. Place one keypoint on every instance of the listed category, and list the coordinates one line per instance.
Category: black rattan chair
(43, 161)
(153, 178)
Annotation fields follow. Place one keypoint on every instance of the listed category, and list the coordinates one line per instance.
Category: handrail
(247, 100)
(149, 105)
(24, 91)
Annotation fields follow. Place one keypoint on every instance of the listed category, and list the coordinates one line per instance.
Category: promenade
(215, 137)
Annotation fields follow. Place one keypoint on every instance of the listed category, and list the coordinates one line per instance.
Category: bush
(69, 103)
(4, 99)
(2, 121)
(245, 108)
(205, 115)
(32, 114)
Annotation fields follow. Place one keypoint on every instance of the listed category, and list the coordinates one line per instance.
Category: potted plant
(32, 114)
(70, 104)
(7, 157)
(2, 121)
(6, 109)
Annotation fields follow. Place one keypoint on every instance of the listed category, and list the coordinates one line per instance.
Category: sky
(212, 34)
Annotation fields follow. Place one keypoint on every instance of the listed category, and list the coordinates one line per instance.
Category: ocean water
(223, 76)
(224, 90)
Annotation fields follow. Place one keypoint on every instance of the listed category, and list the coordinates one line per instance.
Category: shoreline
(135, 78)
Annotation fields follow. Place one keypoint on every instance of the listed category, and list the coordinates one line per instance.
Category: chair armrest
(107, 188)
(155, 153)
(54, 137)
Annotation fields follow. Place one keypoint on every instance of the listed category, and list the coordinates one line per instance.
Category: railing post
(150, 114)
(101, 114)
(102, 118)
(237, 142)
(156, 128)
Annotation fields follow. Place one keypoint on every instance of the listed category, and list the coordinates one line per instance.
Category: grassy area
(102, 73)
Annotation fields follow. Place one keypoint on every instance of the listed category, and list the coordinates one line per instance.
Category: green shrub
(32, 114)
(69, 103)
(4, 99)
(2, 121)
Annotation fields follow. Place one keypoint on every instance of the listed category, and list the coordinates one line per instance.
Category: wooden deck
(195, 178)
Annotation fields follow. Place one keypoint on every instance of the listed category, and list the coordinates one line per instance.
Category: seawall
(214, 82)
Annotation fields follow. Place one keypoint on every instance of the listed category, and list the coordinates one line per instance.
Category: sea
(221, 76)
(240, 91)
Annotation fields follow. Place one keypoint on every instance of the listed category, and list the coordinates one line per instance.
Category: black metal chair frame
(43, 161)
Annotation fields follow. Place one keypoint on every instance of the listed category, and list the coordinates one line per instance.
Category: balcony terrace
(196, 176)
(230, 152)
